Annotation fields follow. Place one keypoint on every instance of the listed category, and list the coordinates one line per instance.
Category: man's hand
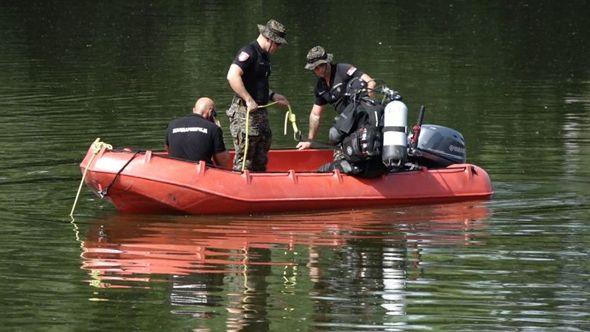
(303, 145)
(370, 84)
(251, 105)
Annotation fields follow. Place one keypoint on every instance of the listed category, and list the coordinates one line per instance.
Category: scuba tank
(395, 119)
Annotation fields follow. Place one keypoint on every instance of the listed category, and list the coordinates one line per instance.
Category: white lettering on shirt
(189, 129)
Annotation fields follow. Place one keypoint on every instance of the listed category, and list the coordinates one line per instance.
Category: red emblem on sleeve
(351, 70)
(243, 56)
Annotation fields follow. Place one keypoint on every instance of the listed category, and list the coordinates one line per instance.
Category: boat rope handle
(289, 116)
(96, 147)
(105, 191)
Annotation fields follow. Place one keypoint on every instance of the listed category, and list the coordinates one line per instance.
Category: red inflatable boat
(152, 182)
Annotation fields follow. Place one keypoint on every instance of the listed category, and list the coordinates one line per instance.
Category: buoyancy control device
(358, 130)
(362, 144)
(358, 127)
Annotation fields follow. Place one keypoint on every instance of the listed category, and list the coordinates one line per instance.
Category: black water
(512, 77)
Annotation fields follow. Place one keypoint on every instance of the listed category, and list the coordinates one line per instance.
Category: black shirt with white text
(194, 138)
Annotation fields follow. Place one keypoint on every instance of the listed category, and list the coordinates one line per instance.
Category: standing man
(248, 78)
(330, 87)
(197, 137)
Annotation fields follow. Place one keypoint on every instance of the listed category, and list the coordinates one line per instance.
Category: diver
(356, 133)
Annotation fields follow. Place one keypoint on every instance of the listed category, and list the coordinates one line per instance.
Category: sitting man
(197, 137)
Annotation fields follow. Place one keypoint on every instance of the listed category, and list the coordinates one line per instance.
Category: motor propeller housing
(439, 146)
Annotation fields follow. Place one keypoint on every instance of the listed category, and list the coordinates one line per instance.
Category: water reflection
(243, 265)
(575, 133)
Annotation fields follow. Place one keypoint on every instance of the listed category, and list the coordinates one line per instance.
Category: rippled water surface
(513, 78)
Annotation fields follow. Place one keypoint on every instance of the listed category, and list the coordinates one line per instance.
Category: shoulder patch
(243, 56)
(351, 70)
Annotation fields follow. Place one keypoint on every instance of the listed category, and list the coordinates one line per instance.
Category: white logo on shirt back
(189, 130)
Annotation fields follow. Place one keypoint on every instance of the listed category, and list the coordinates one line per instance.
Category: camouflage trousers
(259, 136)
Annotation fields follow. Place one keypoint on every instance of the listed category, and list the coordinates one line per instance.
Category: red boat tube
(152, 182)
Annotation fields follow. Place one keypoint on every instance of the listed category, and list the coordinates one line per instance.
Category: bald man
(197, 137)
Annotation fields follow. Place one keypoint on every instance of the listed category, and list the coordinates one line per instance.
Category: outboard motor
(439, 146)
(395, 143)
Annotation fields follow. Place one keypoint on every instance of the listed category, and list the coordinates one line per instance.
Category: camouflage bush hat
(274, 31)
(316, 56)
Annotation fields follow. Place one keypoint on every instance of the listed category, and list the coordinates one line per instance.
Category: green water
(512, 76)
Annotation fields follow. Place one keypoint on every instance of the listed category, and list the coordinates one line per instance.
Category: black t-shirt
(194, 138)
(256, 66)
(341, 74)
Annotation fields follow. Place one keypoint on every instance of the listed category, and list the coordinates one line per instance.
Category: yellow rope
(96, 146)
(248, 133)
(289, 116)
